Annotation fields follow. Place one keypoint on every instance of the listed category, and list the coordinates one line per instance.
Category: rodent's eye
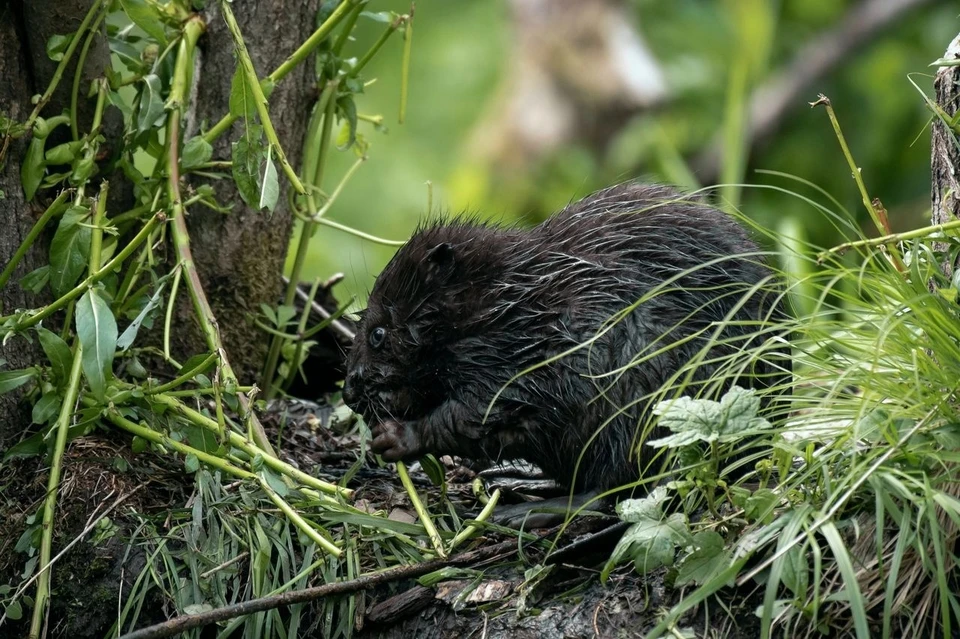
(377, 337)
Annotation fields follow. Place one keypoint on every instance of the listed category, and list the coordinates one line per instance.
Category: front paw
(395, 441)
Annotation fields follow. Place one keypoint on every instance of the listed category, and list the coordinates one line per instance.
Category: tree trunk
(945, 157)
(240, 255)
(16, 87)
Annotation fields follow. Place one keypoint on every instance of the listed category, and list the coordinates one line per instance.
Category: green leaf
(242, 103)
(57, 46)
(31, 171)
(191, 464)
(151, 103)
(348, 111)
(69, 250)
(270, 185)
(248, 152)
(29, 447)
(196, 151)
(384, 17)
(705, 562)
(57, 352)
(652, 540)
(34, 281)
(46, 408)
(97, 331)
(127, 54)
(760, 505)
(63, 153)
(14, 379)
(130, 333)
(145, 15)
(139, 444)
(704, 420)
(14, 611)
(434, 469)
(275, 482)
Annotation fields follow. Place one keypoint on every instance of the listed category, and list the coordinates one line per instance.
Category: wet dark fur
(467, 306)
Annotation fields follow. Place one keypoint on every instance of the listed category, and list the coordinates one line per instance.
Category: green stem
(260, 100)
(53, 485)
(316, 217)
(347, 29)
(183, 377)
(422, 512)
(93, 278)
(299, 521)
(405, 65)
(389, 31)
(301, 327)
(32, 236)
(946, 229)
(306, 229)
(168, 315)
(879, 220)
(290, 63)
(239, 441)
(57, 75)
(75, 90)
(470, 530)
(360, 234)
(96, 235)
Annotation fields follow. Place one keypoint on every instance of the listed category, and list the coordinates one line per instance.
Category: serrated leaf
(57, 46)
(35, 280)
(248, 153)
(651, 542)
(31, 171)
(10, 380)
(46, 408)
(269, 184)
(760, 504)
(151, 103)
(705, 562)
(649, 508)
(705, 420)
(145, 15)
(196, 151)
(57, 352)
(242, 104)
(130, 333)
(97, 331)
(69, 250)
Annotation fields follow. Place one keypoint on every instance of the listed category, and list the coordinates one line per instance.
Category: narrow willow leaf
(242, 103)
(69, 250)
(269, 186)
(130, 333)
(248, 153)
(97, 331)
(12, 379)
(57, 352)
(46, 408)
(31, 171)
(151, 103)
(146, 16)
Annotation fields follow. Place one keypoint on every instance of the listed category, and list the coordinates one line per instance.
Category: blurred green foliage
(461, 49)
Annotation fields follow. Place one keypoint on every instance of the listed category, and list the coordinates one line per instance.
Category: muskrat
(498, 343)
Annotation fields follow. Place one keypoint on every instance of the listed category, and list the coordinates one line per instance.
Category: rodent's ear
(440, 259)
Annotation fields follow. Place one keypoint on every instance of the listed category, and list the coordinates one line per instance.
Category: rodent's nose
(351, 387)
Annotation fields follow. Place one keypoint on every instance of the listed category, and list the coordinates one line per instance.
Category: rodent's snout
(352, 388)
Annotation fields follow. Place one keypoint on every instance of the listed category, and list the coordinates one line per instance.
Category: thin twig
(364, 582)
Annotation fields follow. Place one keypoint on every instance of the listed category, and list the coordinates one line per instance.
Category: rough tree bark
(944, 154)
(16, 87)
(240, 255)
